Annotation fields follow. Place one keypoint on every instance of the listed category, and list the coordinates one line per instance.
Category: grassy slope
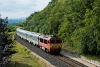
(24, 58)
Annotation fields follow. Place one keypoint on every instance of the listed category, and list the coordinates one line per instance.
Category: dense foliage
(77, 22)
(6, 45)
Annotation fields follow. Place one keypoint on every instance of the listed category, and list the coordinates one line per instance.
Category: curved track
(56, 60)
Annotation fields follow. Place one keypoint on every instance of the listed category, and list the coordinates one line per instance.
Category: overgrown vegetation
(77, 22)
(24, 58)
(6, 45)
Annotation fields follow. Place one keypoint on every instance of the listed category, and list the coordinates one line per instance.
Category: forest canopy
(76, 22)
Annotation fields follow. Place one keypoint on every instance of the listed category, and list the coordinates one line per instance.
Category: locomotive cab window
(45, 41)
(48, 42)
(41, 40)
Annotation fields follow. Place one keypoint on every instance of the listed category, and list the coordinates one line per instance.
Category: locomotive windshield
(58, 41)
(55, 41)
(52, 41)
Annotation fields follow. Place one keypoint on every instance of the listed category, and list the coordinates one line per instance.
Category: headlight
(60, 46)
(51, 46)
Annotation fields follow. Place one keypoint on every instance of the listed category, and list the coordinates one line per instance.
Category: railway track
(70, 61)
(56, 60)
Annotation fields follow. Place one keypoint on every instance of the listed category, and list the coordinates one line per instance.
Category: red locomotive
(50, 43)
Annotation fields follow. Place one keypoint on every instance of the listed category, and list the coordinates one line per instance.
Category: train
(49, 43)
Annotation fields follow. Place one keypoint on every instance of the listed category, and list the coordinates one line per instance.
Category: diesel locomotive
(49, 43)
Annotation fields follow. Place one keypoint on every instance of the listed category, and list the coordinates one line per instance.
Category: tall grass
(24, 58)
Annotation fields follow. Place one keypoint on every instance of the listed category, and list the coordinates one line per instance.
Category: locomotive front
(55, 45)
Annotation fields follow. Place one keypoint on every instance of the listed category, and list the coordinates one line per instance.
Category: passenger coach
(22, 33)
(32, 37)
